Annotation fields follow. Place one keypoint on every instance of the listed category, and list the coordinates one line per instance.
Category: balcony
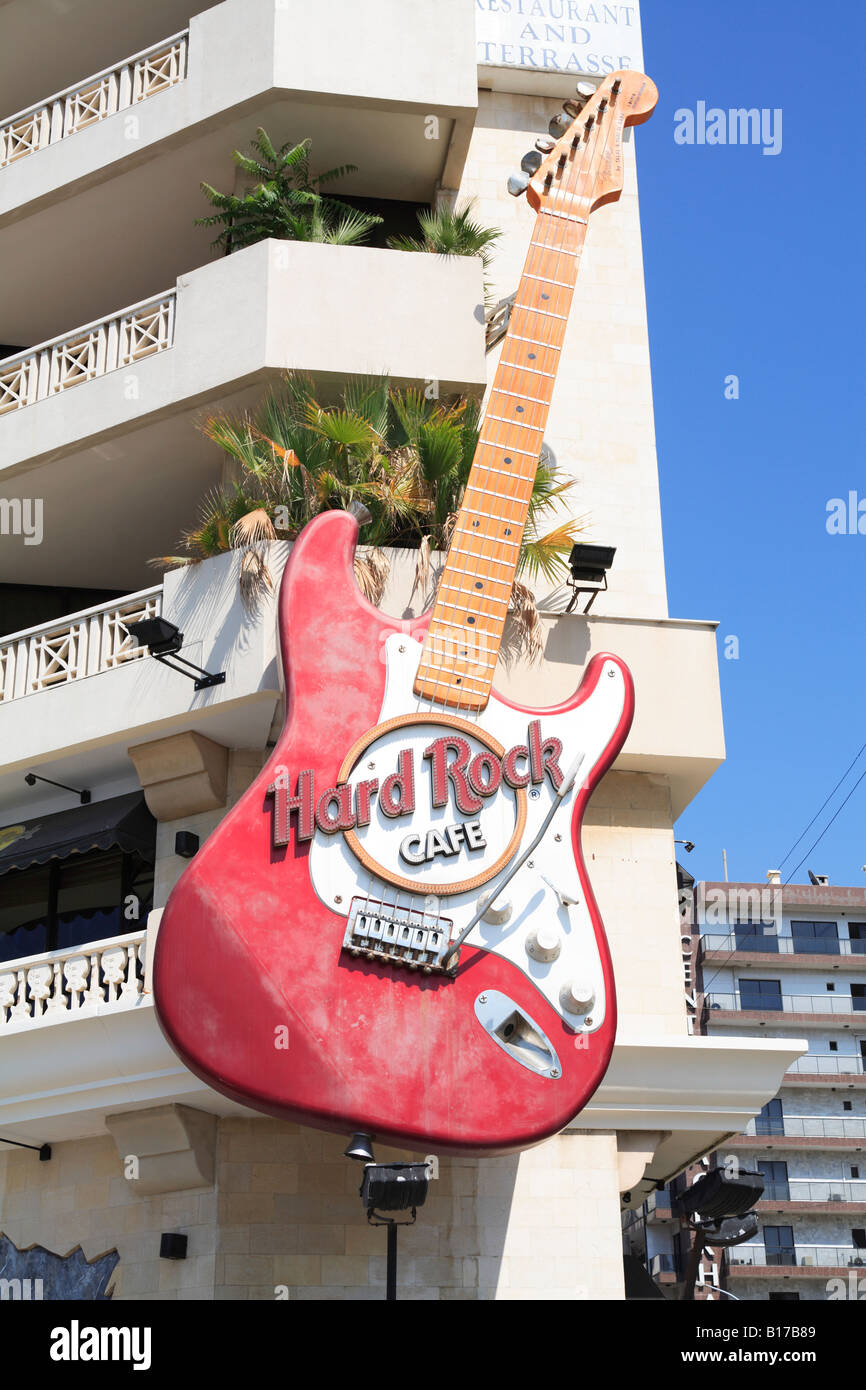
(805, 1010)
(807, 1196)
(389, 88)
(800, 1261)
(799, 953)
(79, 982)
(75, 694)
(110, 410)
(832, 1072)
(803, 1132)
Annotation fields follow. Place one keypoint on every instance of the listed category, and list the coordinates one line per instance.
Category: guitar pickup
(398, 936)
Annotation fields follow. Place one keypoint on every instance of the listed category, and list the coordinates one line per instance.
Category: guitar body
(260, 984)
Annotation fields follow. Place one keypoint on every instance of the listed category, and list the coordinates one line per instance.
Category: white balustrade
(78, 645)
(153, 70)
(73, 981)
(88, 352)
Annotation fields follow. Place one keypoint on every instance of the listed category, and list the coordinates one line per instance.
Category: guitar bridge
(398, 936)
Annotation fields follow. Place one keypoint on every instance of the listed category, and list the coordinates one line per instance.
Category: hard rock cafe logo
(459, 779)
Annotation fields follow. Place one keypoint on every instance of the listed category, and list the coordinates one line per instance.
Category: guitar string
(509, 370)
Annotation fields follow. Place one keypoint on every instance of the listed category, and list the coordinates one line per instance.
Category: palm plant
(286, 202)
(450, 231)
(406, 458)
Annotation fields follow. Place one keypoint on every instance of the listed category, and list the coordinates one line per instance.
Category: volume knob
(577, 996)
(544, 942)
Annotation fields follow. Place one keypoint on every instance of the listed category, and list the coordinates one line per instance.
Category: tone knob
(498, 912)
(577, 996)
(544, 942)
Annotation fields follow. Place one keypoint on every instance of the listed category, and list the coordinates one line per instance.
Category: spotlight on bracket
(589, 565)
(31, 778)
(165, 639)
(360, 1146)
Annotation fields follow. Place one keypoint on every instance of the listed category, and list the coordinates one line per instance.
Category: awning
(122, 822)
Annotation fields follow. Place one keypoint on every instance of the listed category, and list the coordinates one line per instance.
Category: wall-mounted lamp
(165, 639)
(172, 1245)
(589, 565)
(186, 844)
(31, 778)
(688, 845)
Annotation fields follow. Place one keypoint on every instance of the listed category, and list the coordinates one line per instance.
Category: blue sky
(754, 267)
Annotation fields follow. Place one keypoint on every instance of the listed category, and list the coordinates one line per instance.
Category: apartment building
(121, 332)
(779, 961)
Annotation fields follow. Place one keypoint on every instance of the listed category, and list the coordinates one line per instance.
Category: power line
(818, 812)
(827, 826)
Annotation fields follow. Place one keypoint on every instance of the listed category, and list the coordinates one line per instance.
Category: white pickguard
(338, 876)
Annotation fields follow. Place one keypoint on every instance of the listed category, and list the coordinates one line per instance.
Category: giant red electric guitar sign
(393, 930)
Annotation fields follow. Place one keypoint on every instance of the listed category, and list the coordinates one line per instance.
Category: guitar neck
(462, 644)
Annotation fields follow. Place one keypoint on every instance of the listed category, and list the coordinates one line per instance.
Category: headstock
(578, 166)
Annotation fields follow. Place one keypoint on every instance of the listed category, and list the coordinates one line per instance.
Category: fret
(501, 391)
(546, 313)
(473, 574)
(506, 496)
(563, 284)
(505, 473)
(519, 367)
(507, 420)
(535, 343)
(569, 216)
(498, 444)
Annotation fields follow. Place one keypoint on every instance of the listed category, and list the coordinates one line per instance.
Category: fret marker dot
(531, 356)
(479, 585)
(508, 460)
(476, 523)
(520, 410)
(545, 296)
(508, 530)
(470, 621)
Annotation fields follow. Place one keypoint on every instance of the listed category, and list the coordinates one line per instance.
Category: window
(831, 985)
(816, 937)
(775, 1180)
(855, 1170)
(66, 903)
(857, 938)
(834, 1047)
(756, 936)
(779, 1245)
(858, 998)
(760, 994)
(770, 1120)
(846, 1105)
(858, 1237)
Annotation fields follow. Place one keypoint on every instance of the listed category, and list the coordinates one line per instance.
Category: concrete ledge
(173, 1147)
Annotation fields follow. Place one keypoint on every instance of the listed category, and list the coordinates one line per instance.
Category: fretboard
(462, 644)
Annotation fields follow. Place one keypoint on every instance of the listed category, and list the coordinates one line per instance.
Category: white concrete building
(774, 962)
(121, 332)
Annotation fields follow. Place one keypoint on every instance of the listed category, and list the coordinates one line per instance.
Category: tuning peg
(545, 143)
(558, 126)
(530, 161)
(517, 184)
(585, 90)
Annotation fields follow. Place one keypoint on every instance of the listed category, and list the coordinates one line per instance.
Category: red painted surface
(246, 948)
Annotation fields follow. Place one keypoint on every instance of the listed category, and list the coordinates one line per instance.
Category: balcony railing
(816, 1064)
(103, 94)
(808, 1127)
(73, 982)
(94, 350)
(832, 1256)
(806, 1190)
(663, 1264)
(784, 945)
(78, 645)
(789, 1003)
